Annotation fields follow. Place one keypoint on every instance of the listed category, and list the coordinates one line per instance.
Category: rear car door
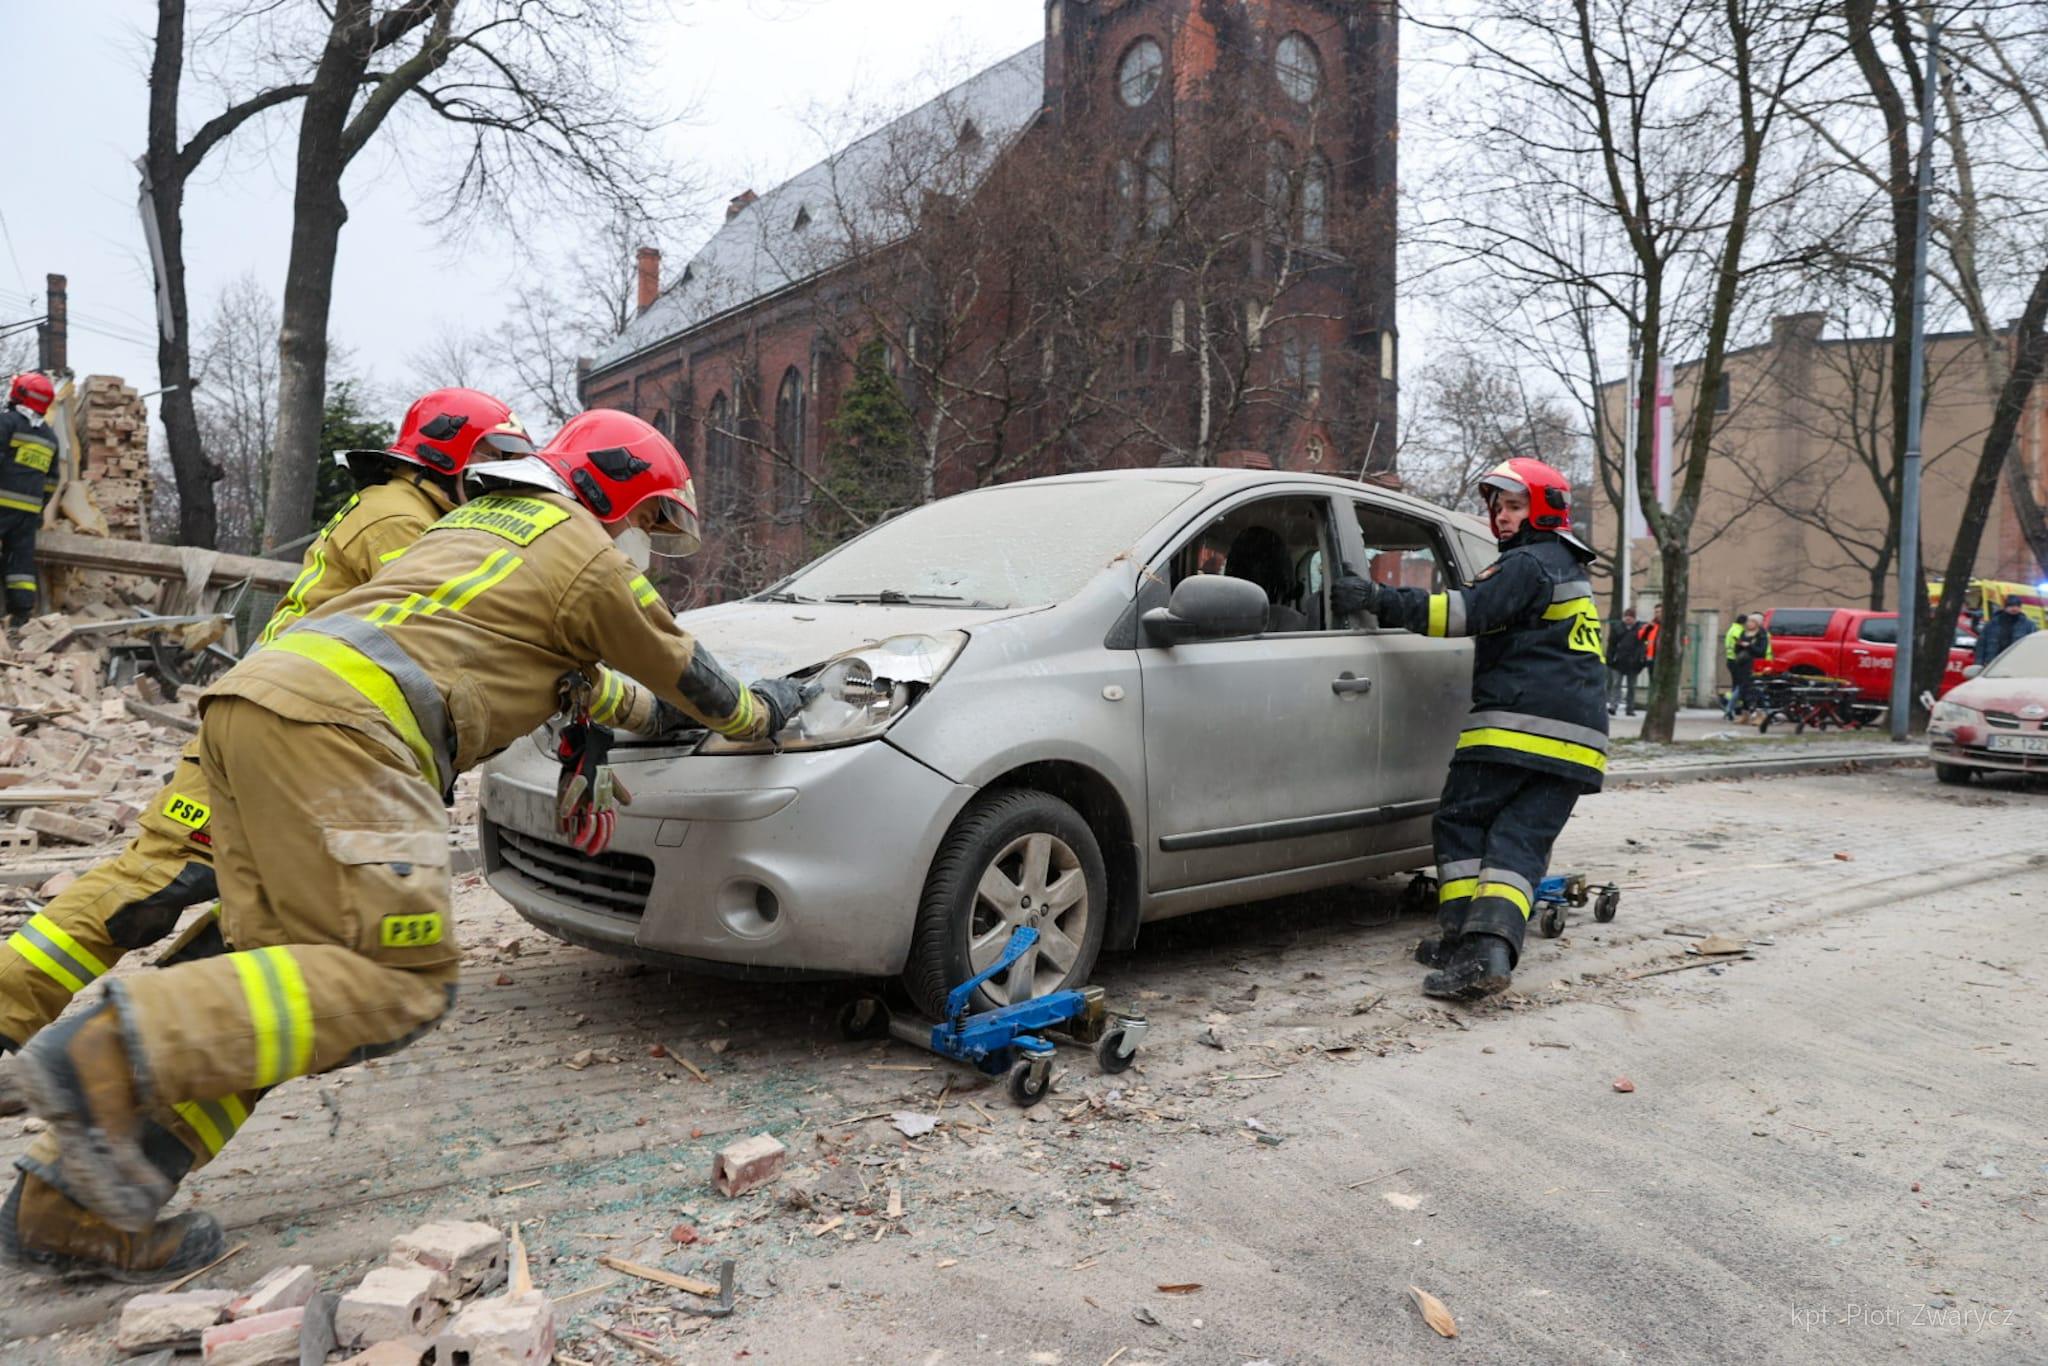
(1261, 751)
(1425, 683)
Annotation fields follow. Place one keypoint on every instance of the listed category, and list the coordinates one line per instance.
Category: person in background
(1738, 666)
(2001, 630)
(1626, 656)
(28, 456)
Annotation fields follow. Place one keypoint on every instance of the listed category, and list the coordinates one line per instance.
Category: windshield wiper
(895, 597)
(785, 597)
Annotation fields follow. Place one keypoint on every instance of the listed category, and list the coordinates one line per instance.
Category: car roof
(1221, 479)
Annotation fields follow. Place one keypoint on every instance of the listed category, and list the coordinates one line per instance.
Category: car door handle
(1347, 683)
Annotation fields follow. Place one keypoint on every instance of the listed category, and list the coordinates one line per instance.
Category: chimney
(738, 202)
(53, 341)
(647, 275)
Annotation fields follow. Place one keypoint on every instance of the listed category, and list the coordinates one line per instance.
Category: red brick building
(1164, 234)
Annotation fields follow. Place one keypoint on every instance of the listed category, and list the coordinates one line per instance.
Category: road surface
(1836, 1149)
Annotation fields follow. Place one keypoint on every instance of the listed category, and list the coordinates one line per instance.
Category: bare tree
(168, 165)
(1658, 121)
(1469, 413)
(536, 99)
(237, 406)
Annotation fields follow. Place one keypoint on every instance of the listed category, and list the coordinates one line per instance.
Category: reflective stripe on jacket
(28, 461)
(369, 531)
(482, 617)
(1539, 688)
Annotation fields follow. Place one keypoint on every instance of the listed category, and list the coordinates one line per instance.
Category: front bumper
(1969, 744)
(758, 865)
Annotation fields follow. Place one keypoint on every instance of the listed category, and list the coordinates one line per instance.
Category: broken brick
(392, 1302)
(287, 1287)
(740, 1167)
(176, 1320)
(468, 1256)
(272, 1339)
(521, 1327)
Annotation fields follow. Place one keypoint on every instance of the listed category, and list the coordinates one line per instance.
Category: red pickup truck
(1847, 642)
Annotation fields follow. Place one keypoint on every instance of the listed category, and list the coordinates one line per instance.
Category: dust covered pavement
(1304, 1138)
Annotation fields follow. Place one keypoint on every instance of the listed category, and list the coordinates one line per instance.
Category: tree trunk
(2019, 484)
(194, 475)
(317, 217)
(2030, 362)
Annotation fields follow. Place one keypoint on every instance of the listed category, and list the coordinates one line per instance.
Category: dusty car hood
(2000, 694)
(769, 639)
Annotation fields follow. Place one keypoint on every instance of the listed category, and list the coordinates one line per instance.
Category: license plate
(2019, 744)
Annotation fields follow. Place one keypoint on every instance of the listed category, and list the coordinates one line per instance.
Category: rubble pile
(79, 755)
(428, 1302)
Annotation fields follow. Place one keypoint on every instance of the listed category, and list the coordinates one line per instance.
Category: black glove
(783, 697)
(1352, 593)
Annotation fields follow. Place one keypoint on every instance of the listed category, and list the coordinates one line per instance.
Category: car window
(1281, 544)
(1017, 545)
(2028, 659)
(1400, 551)
(1479, 551)
(1879, 630)
(1809, 623)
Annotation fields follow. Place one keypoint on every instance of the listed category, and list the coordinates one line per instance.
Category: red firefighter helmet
(612, 462)
(445, 429)
(31, 389)
(1548, 491)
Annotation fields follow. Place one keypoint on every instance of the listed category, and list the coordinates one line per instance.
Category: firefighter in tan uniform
(329, 754)
(134, 899)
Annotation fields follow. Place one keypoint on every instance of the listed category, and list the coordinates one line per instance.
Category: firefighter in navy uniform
(1536, 737)
(28, 458)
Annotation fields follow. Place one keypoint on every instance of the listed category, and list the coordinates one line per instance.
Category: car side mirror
(1207, 607)
(1972, 670)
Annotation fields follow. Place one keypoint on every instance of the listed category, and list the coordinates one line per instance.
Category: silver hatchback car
(1079, 703)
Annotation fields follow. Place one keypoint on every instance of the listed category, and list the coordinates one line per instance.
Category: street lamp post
(1916, 398)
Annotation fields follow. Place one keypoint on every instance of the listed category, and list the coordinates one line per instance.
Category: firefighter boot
(1433, 951)
(42, 1230)
(1479, 966)
(77, 1076)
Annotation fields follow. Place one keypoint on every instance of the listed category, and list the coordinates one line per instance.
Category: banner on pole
(1661, 458)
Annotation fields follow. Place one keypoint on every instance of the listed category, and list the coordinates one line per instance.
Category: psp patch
(186, 812)
(409, 931)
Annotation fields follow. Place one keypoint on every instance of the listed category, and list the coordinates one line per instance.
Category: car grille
(611, 881)
(2006, 720)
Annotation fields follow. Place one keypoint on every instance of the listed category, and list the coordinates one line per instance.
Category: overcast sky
(752, 70)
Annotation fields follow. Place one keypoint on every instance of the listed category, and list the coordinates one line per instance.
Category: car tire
(1955, 775)
(998, 833)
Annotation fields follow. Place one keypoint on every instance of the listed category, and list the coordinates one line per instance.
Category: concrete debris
(149, 1322)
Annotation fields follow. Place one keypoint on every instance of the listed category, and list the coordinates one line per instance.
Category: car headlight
(1954, 714)
(859, 695)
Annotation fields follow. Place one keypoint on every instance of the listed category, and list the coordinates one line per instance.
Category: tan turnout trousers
(135, 898)
(333, 867)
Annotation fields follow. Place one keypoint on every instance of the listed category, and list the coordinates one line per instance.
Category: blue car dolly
(1007, 1039)
(1553, 895)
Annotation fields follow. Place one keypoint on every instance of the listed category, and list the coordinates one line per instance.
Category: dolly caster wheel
(1553, 921)
(1607, 905)
(1030, 1079)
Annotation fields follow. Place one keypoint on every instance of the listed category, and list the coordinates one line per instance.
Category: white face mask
(636, 546)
